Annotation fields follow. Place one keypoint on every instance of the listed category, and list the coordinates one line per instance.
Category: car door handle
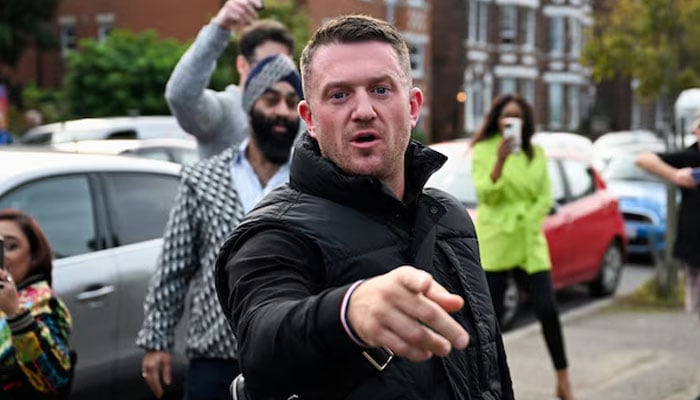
(95, 293)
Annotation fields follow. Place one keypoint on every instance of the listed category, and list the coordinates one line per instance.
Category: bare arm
(655, 165)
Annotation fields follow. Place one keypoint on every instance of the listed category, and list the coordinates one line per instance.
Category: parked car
(611, 144)
(104, 217)
(642, 199)
(141, 127)
(585, 231)
(565, 142)
(181, 151)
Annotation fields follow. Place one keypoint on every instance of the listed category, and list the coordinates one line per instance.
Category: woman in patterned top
(34, 324)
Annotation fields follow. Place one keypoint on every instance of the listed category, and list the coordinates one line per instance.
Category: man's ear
(305, 113)
(415, 102)
(243, 67)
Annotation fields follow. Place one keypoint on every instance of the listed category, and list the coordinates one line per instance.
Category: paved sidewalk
(614, 353)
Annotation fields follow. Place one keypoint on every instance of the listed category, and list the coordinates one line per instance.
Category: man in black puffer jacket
(355, 282)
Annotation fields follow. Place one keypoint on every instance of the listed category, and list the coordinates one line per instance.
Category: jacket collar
(313, 174)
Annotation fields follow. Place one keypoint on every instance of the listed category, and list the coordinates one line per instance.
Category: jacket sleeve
(40, 339)
(289, 330)
(202, 112)
(177, 264)
(488, 191)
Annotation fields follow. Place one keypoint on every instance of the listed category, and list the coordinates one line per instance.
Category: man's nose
(364, 108)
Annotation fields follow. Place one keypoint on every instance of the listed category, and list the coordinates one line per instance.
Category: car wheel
(512, 298)
(608, 278)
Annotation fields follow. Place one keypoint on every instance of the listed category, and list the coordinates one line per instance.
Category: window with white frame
(556, 105)
(105, 23)
(483, 22)
(529, 91)
(475, 106)
(509, 24)
(574, 105)
(575, 36)
(507, 85)
(67, 35)
(473, 20)
(528, 28)
(556, 35)
(417, 57)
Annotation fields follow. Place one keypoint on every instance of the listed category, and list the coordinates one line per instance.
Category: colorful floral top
(34, 352)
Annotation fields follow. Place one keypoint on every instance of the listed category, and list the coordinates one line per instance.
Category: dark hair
(354, 29)
(39, 246)
(490, 124)
(261, 31)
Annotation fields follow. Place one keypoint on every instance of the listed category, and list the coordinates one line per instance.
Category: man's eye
(272, 100)
(338, 96)
(381, 90)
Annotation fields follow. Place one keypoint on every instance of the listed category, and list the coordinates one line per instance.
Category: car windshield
(455, 177)
(624, 168)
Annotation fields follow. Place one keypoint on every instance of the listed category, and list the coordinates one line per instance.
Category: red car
(585, 229)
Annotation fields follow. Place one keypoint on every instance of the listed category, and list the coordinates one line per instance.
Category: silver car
(104, 216)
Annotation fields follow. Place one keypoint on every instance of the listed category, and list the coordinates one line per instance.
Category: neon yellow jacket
(511, 211)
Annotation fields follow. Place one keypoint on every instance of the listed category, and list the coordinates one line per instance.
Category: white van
(140, 127)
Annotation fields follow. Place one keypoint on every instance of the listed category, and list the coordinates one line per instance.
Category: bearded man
(214, 195)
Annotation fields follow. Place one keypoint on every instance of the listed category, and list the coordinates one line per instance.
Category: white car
(140, 127)
(613, 144)
(181, 151)
(104, 217)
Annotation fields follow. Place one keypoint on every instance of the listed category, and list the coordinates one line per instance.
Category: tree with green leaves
(654, 42)
(24, 23)
(126, 73)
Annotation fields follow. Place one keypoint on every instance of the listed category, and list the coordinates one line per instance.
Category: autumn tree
(654, 42)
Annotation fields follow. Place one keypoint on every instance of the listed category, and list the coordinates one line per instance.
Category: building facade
(531, 47)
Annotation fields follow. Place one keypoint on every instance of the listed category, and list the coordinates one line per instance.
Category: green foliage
(50, 102)
(124, 74)
(654, 41)
(23, 23)
(650, 296)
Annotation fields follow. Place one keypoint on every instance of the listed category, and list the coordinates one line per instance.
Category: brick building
(78, 19)
(463, 53)
(531, 47)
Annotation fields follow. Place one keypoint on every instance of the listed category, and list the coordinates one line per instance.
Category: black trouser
(209, 379)
(541, 294)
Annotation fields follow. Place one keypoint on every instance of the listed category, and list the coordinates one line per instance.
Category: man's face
(275, 122)
(360, 109)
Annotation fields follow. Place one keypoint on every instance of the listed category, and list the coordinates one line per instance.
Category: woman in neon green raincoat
(514, 193)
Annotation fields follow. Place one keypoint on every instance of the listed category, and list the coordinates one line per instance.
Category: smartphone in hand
(512, 128)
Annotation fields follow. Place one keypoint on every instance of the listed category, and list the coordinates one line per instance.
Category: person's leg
(209, 379)
(692, 290)
(541, 293)
(497, 285)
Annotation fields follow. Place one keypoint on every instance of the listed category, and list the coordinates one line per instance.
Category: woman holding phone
(35, 360)
(514, 193)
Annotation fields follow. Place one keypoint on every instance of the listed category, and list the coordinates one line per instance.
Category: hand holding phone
(512, 128)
